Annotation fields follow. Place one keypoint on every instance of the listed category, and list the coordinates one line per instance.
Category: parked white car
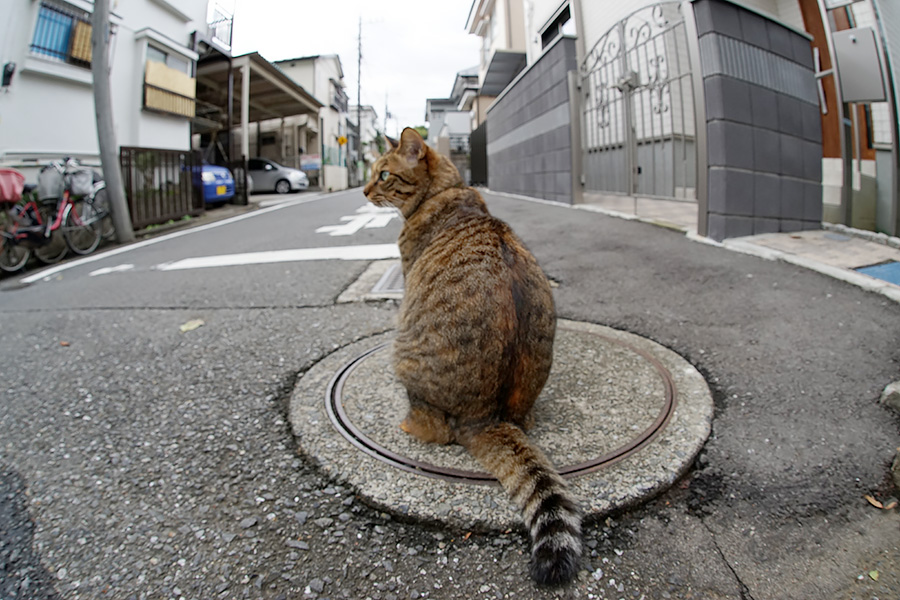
(269, 176)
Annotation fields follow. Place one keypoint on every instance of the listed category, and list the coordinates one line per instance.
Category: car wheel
(283, 186)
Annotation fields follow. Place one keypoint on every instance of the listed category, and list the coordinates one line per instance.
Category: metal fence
(638, 107)
(161, 185)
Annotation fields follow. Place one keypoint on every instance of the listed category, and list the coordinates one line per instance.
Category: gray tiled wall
(529, 130)
(763, 128)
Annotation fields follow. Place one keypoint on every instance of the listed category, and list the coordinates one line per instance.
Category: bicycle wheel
(82, 228)
(101, 204)
(55, 248)
(13, 255)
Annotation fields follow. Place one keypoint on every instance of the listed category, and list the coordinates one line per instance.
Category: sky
(411, 49)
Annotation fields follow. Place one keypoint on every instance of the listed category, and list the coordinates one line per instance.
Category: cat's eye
(384, 175)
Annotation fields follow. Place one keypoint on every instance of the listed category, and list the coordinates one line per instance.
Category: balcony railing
(169, 102)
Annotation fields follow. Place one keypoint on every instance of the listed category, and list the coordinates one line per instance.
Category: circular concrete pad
(621, 416)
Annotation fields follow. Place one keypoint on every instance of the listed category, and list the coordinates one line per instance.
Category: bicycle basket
(50, 183)
(81, 182)
(12, 183)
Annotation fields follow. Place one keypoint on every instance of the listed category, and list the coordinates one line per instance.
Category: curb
(870, 284)
(744, 246)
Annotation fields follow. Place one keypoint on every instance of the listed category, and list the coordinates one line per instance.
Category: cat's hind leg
(427, 423)
(525, 422)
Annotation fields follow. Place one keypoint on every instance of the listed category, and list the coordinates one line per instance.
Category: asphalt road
(140, 461)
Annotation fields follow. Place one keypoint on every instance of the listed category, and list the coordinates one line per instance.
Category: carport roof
(272, 93)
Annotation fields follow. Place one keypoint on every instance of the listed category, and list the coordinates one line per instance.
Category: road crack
(744, 589)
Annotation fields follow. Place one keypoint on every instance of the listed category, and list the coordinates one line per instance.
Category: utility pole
(358, 95)
(387, 114)
(106, 134)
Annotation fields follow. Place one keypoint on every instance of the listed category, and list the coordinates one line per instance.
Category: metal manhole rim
(341, 422)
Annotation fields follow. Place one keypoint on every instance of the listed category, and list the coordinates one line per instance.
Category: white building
(323, 77)
(46, 100)
(452, 117)
(368, 134)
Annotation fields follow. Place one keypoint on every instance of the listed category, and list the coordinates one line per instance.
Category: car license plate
(220, 190)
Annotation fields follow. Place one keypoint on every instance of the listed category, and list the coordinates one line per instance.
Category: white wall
(302, 72)
(314, 75)
(537, 14)
(48, 111)
(457, 123)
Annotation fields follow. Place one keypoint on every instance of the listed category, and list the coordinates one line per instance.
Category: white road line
(368, 252)
(108, 270)
(47, 273)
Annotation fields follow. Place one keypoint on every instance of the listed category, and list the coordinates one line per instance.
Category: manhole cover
(391, 282)
(621, 416)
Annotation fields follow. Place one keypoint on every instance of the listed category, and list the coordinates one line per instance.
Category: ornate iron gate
(638, 108)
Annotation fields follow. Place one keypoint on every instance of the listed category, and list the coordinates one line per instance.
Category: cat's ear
(412, 146)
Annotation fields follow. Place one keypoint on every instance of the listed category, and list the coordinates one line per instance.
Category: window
(171, 60)
(62, 34)
(168, 85)
(561, 24)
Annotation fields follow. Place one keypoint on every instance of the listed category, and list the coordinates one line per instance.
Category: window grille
(62, 34)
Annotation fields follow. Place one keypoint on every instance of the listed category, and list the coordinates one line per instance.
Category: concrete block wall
(529, 145)
(764, 137)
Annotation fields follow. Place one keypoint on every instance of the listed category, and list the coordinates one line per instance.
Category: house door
(638, 108)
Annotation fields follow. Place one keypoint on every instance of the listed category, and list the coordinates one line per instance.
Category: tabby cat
(475, 340)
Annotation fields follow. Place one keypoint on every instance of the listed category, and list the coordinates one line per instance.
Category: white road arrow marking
(367, 216)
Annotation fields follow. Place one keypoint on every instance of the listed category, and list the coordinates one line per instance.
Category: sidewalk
(851, 255)
(862, 258)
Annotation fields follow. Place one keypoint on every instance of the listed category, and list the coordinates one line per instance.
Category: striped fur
(550, 512)
(474, 340)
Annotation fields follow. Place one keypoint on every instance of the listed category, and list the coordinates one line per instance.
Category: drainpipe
(699, 93)
(846, 141)
(576, 105)
(230, 110)
(888, 70)
(578, 17)
(245, 110)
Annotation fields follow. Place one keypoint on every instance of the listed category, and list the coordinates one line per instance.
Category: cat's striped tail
(550, 512)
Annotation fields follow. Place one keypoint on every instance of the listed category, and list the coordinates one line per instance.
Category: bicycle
(68, 210)
(13, 255)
